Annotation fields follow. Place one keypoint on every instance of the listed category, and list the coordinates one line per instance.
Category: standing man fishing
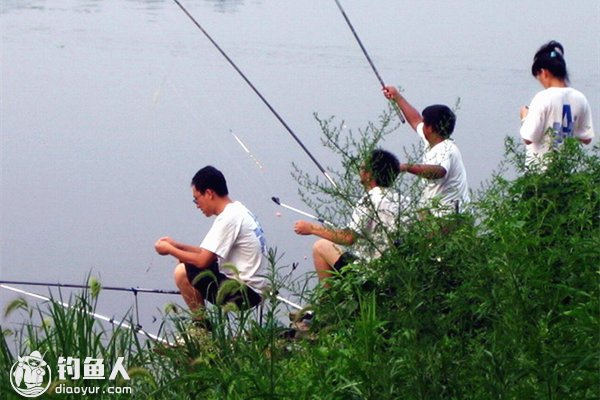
(446, 190)
(233, 249)
(373, 220)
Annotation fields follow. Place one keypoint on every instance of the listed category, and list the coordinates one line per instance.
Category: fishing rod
(321, 220)
(116, 288)
(288, 302)
(133, 290)
(364, 50)
(264, 100)
(136, 328)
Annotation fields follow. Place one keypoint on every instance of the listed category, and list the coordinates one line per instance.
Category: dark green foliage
(502, 303)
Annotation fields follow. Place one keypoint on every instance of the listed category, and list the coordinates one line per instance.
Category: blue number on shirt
(260, 234)
(565, 128)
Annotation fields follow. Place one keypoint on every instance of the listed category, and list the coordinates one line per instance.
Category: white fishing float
(247, 150)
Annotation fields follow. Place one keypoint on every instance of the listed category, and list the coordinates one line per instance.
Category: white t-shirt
(453, 186)
(555, 114)
(237, 238)
(376, 214)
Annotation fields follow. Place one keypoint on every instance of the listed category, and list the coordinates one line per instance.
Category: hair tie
(553, 54)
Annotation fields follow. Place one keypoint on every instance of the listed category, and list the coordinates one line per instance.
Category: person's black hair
(383, 166)
(441, 118)
(551, 57)
(210, 178)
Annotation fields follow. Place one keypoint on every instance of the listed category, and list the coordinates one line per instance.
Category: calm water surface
(108, 108)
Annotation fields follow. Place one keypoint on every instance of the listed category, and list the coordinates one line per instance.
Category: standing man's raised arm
(413, 116)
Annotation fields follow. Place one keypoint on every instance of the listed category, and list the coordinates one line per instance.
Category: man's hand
(303, 228)
(163, 246)
(391, 93)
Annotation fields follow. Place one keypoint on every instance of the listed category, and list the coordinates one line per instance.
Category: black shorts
(209, 283)
(345, 259)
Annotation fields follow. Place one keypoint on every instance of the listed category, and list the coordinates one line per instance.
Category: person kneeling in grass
(373, 218)
(235, 238)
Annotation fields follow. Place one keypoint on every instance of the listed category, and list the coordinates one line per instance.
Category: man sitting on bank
(374, 216)
(235, 238)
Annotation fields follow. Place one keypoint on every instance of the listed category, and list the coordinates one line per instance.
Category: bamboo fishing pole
(258, 93)
(364, 50)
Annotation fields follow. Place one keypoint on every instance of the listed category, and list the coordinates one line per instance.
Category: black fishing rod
(72, 286)
(364, 50)
(134, 290)
(264, 100)
(137, 328)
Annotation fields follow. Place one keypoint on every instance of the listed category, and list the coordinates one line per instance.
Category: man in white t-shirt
(235, 239)
(446, 190)
(374, 220)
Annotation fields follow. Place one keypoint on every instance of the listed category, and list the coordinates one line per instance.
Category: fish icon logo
(29, 375)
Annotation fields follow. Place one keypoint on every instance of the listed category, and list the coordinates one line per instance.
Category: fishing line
(264, 100)
(220, 143)
(364, 50)
(167, 83)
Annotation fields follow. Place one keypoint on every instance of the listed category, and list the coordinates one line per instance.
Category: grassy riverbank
(503, 304)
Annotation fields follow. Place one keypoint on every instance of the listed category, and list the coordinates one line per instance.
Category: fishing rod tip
(276, 200)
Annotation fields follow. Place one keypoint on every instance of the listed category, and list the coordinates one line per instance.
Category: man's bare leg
(190, 295)
(325, 255)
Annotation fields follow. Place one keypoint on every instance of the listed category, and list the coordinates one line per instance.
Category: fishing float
(258, 93)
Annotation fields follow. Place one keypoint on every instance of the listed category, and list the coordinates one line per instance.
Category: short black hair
(550, 57)
(210, 178)
(441, 118)
(384, 167)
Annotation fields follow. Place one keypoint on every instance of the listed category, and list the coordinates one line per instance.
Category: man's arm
(188, 254)
(181, 246)
(428, 171)
(413, 116)
(344, 237)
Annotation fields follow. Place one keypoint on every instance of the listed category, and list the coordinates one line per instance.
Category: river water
(109, 107)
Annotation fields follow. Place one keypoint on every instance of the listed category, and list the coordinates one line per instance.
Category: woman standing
(555, 113)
